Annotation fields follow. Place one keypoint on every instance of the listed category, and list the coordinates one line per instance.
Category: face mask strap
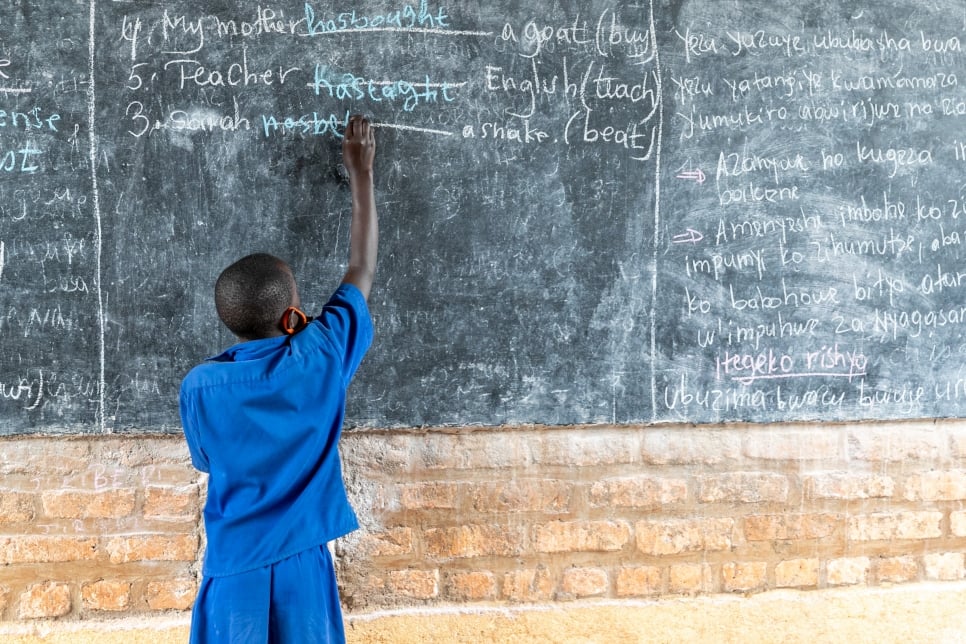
(301, 320)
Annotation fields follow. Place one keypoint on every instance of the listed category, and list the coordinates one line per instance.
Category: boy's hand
(358, 146)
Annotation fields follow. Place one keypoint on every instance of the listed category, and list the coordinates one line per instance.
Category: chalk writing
(820, 256)
(410, 94)
(407, 17)
(731, 212)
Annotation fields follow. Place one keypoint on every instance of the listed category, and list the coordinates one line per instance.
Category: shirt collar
(251, 350)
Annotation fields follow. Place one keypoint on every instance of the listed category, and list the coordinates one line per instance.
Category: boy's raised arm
(358, 153)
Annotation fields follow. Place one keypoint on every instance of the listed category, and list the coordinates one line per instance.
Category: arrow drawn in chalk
(690, 237)
(692, 175)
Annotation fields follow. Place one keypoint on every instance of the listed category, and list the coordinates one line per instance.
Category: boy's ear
(293, 320)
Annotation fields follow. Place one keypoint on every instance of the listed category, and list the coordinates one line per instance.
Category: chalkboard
(591, 212)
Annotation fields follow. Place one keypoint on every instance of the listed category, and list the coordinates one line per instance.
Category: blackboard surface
(591, 212)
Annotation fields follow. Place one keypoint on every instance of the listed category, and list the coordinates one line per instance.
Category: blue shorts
(293, 601)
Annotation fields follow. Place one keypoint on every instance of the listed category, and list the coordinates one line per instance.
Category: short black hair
(252, 294)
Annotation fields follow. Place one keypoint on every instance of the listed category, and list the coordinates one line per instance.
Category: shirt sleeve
(190, 425)
(347, 324)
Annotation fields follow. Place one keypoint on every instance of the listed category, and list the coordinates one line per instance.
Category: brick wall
(96, 527)
(107, 527)
(557, 514)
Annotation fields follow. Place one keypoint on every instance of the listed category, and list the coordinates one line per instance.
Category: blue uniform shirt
(264, 420)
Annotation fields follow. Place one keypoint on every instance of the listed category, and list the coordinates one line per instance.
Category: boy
(264, 420)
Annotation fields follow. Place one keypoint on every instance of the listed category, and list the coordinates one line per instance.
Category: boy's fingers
(358, 126)
(359, 129)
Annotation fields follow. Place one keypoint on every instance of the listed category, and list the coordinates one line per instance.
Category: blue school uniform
(263, 419)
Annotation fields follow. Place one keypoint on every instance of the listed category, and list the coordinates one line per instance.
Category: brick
(522, 495)
(104, 477)
(474, 541)
(485, 450)
(937, 486)
(780, 527)
(44, 600)
(744, 576)
(371, 584)
(107, 595)
(797, 573)
(46, 549)
(17, 507)
(584, 582)
(663, 447)
(377, 453)
(438, 452)
(957, 523)
(171, 503)
(471, 586)
(919, 525)
(585, 449)
(897, 444)
(900, 525)
(83, 504)
(32, 455)
(153, 547)
(638, 492)
(897, 570)
(820, 444)
(416, 584)
(944, 566)
(675, 536)
(145, 452)
(743, 487)
(169, 475)
(171, 594)
(581, 536)
(163, 451)
(848, 486)
(528, 585)
(383, 498)
(15, 456)
(690, 579)
(957, 440)
(848, 571)
(391, 543)
(434, 495)
(639, 581)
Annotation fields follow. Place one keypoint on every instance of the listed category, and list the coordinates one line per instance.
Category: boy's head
(252, 294)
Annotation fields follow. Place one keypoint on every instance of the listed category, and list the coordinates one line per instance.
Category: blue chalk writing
(355, 88)
(407, 17)
(32, 119)
(21, 160)
(313, 124)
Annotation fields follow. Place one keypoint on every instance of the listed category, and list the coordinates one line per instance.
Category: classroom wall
(97, 526)
(106, 530)
(553, 515)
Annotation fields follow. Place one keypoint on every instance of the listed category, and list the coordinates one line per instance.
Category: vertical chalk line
(96, 204)
(657, 211)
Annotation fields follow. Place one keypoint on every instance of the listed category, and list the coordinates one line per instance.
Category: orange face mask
(300, 320)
